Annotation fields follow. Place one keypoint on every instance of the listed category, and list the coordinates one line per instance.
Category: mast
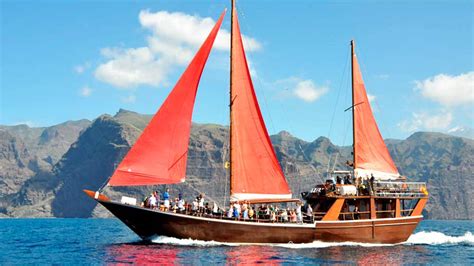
(353, 108)
(230, 93)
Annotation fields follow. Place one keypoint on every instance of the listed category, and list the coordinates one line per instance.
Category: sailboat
(159, 156)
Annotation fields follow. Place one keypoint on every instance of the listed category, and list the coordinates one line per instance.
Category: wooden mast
(230, 94)
(353, 109)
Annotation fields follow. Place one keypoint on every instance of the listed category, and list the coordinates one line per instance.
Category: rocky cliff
(445, 162)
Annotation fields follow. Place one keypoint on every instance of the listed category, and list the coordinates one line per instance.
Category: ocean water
(108, 241)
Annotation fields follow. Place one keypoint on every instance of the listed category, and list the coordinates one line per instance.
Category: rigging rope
(342, 84)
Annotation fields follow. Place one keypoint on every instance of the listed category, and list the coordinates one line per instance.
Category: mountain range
(44, 170)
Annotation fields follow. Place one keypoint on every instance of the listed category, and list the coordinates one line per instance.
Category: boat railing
(400, 189)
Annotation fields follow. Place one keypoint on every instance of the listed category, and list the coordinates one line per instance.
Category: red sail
(371, 155)
(160, 153)
(255, 171)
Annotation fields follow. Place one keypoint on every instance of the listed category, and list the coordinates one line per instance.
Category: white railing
(400, 189)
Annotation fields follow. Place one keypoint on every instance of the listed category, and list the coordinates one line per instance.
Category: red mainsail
(371, 155)
(159, 155)
(255, 171)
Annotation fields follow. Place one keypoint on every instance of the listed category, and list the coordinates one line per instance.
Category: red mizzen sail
(159, 155)
(371, 155)
(255, 171)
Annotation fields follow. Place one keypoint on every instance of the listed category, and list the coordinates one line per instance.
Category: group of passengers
(238, 210)
(364, 185)
(244, 211)
(153, 202)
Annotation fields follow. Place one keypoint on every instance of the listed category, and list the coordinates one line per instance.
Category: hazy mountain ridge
(444, 161)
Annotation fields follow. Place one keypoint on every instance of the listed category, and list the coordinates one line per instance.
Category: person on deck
(245, 214)
(272, 215)
(166, 199)
(180, 203)
(251, 213)
(230, 212)
(195, 206)
(347, 180)
(293, 216)
(356, 213)
(200, 199)
(299, 214)
(309, 212)
(338, 180)
(372, 183)
(237, 210)
(215, 209)
(152, 201)
(284, 216)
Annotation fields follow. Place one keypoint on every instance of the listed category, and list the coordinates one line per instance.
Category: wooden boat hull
(148, 223)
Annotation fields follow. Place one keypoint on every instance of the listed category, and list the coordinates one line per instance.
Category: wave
(189, 242)
(420, 238)
(438, 238)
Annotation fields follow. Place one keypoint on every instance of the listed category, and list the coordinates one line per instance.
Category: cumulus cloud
(127, 68)
(173, 40)
(181, 28)
(308, 91)
(371, 97)
(448, 90)
(85, 91)
(425, 121)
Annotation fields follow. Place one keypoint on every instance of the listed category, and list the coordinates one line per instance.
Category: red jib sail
(371, 155)
(255, 171)
(159, 155)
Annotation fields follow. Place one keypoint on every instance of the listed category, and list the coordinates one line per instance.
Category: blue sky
(67, 61)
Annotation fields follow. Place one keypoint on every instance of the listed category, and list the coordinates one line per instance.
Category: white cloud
(85, 91)
(425, 121)
(128, 68)
(371, 97)
(174, 39)
(129, 99)
(308, 91)
(383, 76)
(79, 69)
(448, 90)
(181, 28)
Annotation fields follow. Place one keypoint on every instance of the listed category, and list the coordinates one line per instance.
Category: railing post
(397, 208)
(373, 214)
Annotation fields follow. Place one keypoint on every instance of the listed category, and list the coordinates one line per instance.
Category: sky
(64, 60)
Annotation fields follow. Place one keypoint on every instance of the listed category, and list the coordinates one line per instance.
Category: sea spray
(438, 238)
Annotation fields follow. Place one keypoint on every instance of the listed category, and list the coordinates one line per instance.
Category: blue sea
(108, 241)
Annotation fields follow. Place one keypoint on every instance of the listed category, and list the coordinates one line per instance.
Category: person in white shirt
(231, 211)
(152, 201)
(201, 203)
(299, 215)
(215, 209)
(181, 204)
(195, 206)
(309, 212)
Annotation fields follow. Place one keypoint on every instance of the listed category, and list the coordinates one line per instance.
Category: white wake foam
(420, 238)
(189, 242)
(438, 238)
